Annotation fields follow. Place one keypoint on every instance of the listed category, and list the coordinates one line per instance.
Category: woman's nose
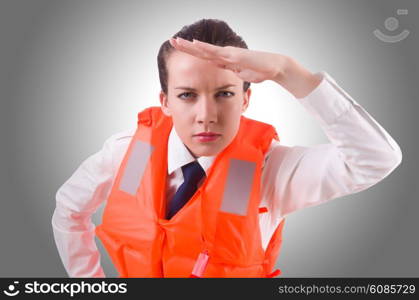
(206, 111)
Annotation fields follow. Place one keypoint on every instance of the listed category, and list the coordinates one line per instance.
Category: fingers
(212, 49)
(214, 54)
(186, 47)
(200, 49)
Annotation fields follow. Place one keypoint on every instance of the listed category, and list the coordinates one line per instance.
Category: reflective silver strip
(135, 167)
(238, 187)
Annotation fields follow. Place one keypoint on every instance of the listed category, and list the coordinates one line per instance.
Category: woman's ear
(164, 104)
(246, 99)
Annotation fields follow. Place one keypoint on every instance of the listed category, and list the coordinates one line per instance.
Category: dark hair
(212, 31)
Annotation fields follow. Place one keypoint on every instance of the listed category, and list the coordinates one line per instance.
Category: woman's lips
(207, 137)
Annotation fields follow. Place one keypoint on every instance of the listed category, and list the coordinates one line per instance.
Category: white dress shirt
(359, 155)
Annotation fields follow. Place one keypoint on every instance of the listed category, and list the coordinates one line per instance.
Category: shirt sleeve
(360, 154)
(76, 201)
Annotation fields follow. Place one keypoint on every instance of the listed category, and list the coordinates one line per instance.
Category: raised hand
(248, 65)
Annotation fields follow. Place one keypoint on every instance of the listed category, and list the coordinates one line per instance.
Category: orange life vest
(216, 233)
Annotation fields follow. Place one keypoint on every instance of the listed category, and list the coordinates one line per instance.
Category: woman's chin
(209, 151)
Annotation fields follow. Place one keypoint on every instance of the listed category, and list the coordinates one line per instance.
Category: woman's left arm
(359, 154)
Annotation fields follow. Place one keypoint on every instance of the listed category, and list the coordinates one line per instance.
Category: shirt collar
(179, 155)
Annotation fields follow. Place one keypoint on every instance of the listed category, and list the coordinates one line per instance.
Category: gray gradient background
(75, 72)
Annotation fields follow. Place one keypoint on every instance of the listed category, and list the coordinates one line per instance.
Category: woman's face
(203, 98)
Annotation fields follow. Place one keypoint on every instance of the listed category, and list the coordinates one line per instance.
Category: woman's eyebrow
(192, 89)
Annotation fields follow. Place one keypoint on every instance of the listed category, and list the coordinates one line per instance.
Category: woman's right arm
(77, 200)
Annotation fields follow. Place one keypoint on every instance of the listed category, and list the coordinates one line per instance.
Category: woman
(199, 190)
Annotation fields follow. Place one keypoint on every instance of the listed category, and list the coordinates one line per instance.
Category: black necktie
(192, 174)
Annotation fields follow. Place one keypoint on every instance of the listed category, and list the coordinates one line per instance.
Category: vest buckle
(200, 265)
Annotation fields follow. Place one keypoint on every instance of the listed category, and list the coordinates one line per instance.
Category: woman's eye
(223, 93)
(183, 94)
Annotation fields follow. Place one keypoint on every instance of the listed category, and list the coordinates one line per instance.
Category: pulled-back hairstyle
(212, 31)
